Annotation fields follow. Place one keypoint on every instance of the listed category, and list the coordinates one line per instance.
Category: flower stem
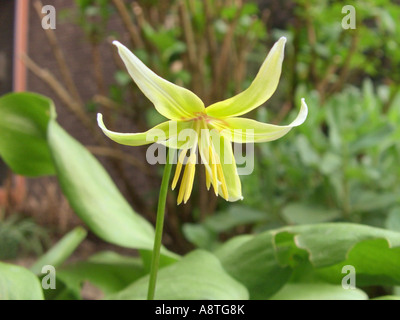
(159, 229)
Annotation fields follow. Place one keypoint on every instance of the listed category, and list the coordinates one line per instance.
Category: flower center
(205, 118)
(201, 116)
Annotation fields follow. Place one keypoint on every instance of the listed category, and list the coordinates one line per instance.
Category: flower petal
(243, 130)
(227, 163)
(162, 133)
(260, 90)
(172, 101)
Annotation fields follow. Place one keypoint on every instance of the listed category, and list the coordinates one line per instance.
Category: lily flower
(215, 127)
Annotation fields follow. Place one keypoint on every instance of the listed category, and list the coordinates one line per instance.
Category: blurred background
(341, 165)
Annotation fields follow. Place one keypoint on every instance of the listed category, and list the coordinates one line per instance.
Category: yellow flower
(215, 127)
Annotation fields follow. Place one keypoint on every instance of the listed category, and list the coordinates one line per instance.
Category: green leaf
(60, 251)
(17, 283)
(88, 187)
(205, 235)
(374, 137)
(374, 261)
(236, 215)
(318, 291)
(23, 127)
(108, 271)
(330, 243)
(301, 213)
(266, 262)
(393, 219)
(198, 276)
(373, 201)
(93, 195)
(200, 236)
(253, 262)
(229, 247)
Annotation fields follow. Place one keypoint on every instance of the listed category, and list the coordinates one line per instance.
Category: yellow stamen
(221, 178)
(182, 187)
(190, 178)
(178, 169)
(187, 180)
(214, 170)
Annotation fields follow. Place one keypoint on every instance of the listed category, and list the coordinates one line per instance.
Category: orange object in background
(12, 193)
(20, 43)
(15, 194)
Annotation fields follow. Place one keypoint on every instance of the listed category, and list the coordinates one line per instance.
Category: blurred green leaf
(301, 213)
(61, 251)
(376, 262)
(205, 235)
(23, 128)
(108, 271)
(18, 283)
(393, 219)
(264, 263)
(198, 276)
(253, 262)
(94, 196)
(200, 236)
(88, 187)
(318, 291)
(236, 215)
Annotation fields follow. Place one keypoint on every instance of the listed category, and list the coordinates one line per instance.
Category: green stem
(159, 229)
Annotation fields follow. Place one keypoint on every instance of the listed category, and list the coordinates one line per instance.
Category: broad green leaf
(200, 236)
(318, 291)
(236, 215)
(23, 127)
(330, 243)
(87, 186)
(372, 201)
(166, 258)
(94, 196)
(205, 235)
(265, 262)
(198, 276)
(253, 262)
(108, 271)
(301, 213)
(61, 251)
(18, 283)
(228, 248)
(374, 261)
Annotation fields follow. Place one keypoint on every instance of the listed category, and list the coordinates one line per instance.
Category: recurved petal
(242, 130)
(162, 133)
(172, 101)
(260, 90)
